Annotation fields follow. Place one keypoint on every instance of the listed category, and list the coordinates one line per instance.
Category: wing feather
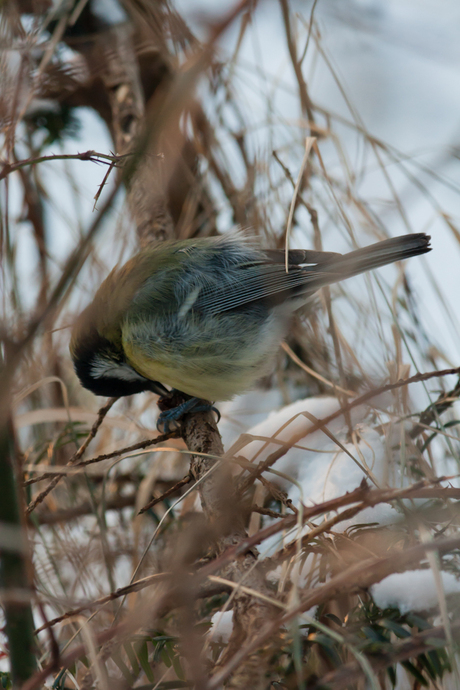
(260, 282)
(267, 279)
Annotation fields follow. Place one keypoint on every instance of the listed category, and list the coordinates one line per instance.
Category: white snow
(323, 467)
(414, 590)
(222, 626)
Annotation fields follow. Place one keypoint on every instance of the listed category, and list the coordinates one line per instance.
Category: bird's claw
(176, 413)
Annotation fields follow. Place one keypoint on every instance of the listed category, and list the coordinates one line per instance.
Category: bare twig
(305, 100)
(360, 575)
(276, 455)
(434, 410)
(97, 603)
(74, 459)
(51, 517)
(92, 156)
(141, 445)
(183, 482)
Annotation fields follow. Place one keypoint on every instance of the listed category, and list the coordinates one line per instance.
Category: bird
(206, 316)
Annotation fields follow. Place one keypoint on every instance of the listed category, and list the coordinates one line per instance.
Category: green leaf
(165, 657)
(417, 622)
(398, 629)
(143, 656)
(132, 658)
(159, 647)
(6, 680)
(329, 648)
(426, 663)
(415, 672)
(178, 667)
(391, 675)
(127, 675)
(374, 634)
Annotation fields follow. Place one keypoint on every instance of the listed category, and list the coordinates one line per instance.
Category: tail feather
(374, 256)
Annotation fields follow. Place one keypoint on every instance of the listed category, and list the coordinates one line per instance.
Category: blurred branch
(121, 77)
(69, 274)
(142, 445)
(183, 482)
(15, 566)
(51, 517)
(74, 459)
(371, 499)
(359, 576)
(216, 587)
(20, 620)
(222, 507)
(120, 592)
(170, 597)
(307, 106)
(92, 156)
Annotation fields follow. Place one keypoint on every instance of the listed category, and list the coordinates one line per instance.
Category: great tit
(206, 316)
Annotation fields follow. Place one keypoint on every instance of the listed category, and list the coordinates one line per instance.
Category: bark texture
(222, 507)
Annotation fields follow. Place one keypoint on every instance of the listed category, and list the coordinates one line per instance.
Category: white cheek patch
(102, 367)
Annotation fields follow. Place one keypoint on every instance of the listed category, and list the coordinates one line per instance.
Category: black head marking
(102, 368)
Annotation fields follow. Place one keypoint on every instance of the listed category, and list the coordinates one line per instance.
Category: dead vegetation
(137, 540)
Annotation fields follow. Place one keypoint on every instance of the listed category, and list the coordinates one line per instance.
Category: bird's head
(100, 363)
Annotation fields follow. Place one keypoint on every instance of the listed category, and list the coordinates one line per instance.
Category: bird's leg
(177, 411)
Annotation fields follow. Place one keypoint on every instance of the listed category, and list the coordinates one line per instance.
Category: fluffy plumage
(206, 316)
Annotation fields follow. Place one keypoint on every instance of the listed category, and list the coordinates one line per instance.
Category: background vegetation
(189, 139)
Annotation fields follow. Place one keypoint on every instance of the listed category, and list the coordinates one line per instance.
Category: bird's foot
(174, 414)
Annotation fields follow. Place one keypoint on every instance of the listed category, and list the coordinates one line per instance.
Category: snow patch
(414, 590)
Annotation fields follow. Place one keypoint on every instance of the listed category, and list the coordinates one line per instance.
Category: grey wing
(263, 281)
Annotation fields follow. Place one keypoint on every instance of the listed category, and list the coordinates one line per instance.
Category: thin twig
(75, 458)
(356, 577)
(312, 372)
(51, 517)
(266, 511)
(97, 603)
(276, 455)
(307, 106)
(371, 497)
(92, 156)
(183, 482)
(308, 147)
(141, 445)
(433, 411)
